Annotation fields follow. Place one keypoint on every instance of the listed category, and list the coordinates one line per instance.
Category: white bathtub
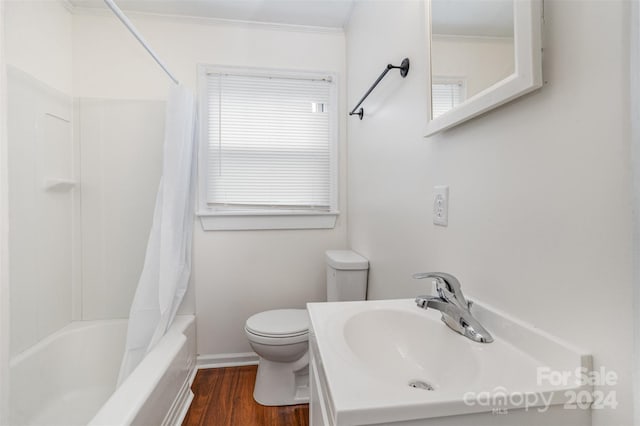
(69, 378)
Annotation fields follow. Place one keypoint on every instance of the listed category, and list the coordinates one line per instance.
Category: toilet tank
(346, 276)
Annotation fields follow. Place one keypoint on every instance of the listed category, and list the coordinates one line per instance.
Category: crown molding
(199, 20)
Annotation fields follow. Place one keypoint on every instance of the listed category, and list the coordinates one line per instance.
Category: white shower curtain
(167, 265)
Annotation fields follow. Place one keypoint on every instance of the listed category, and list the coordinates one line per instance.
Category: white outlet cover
(441, 205)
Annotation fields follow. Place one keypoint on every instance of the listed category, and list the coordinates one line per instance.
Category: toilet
(281, 337)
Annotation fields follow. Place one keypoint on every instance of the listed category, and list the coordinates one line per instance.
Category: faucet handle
(451, 283)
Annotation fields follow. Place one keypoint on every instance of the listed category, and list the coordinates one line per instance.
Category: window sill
(244, 221)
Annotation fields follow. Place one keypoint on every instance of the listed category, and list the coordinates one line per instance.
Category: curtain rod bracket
(404, 70)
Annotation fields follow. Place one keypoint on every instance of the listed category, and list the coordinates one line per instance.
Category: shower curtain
(167, 265)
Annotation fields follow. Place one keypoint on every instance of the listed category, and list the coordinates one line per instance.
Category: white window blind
(445, 96)
(269, 142)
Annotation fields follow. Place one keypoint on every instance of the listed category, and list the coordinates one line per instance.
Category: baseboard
(182, 407)
(194, 371)
(227, 360)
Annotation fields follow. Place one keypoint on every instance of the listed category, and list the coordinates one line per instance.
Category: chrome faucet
(455, 309)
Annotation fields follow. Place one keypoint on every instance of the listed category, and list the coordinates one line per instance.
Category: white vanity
(390, 362)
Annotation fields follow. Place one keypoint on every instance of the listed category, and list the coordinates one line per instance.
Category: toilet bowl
(281, 337)
(281, 340)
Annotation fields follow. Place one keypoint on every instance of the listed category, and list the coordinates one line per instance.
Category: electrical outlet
(441, 205)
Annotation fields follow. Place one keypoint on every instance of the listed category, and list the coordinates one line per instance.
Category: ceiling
(486, 18)
(318, 13)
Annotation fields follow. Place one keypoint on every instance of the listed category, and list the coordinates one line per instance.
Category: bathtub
(70, 378)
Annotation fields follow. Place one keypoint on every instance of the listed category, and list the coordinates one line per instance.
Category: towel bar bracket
(404, 67)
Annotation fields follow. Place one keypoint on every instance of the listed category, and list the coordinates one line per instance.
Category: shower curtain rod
(132, 29)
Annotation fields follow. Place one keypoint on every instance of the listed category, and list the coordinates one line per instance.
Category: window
(268, 152)
(446, 94)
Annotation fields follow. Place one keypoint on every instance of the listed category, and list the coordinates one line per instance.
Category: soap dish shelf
(59, 185)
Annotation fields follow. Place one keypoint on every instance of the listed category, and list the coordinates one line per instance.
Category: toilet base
(282, 383)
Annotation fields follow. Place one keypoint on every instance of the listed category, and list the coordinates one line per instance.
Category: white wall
(4, 225)
(38, 40)
(480, 61)
(235, 273)
(540, 189)
(635, 159)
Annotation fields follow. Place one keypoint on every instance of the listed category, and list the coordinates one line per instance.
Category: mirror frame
(527, 30)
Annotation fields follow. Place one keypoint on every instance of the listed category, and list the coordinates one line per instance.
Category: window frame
(230, 218)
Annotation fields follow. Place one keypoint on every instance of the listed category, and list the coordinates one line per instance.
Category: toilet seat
(278, 327)
(279, 323)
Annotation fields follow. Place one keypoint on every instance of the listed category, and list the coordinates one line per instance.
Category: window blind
(445, 96)
(269, 142)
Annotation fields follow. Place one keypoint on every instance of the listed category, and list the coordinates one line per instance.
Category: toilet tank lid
(346, 260)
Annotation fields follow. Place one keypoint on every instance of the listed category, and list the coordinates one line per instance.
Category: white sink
(400, 346)
(390, 361)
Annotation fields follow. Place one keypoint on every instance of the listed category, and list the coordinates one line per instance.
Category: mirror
(483, 53)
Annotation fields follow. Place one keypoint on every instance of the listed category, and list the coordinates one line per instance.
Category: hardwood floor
(224, 397)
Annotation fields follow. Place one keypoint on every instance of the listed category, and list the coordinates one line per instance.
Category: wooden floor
(224, 397)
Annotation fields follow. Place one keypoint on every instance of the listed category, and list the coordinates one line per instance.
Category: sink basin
(390, 362)
(402, 347)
